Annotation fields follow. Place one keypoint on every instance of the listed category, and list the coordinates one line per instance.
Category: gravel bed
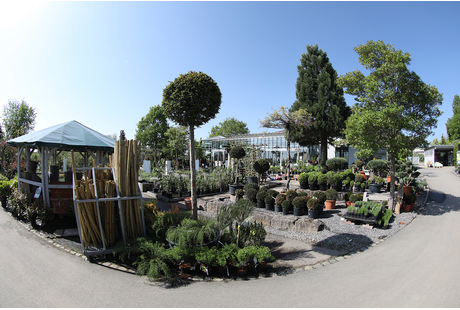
(344, 237)
(339, 235)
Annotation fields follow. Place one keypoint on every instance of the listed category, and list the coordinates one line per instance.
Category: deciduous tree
(395, 109)
(151, 130)
(287, 120)
(229, 127)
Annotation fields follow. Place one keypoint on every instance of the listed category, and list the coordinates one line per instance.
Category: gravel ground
(344, 237)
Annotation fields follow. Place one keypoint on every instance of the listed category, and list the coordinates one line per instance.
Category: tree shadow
(439, 203)
(345, 243)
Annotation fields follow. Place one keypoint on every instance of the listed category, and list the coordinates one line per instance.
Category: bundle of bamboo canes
(125, 162)
(87, 211)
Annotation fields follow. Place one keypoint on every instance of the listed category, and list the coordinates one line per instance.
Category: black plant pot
(322, 187)
(285, 211)
(268, 207)
(252, 180)
(312, 187)
(313, 214)
(375, 188)
(234, 187)
(338, 188)
(278, 208)
(297, 212)
(260, 204)
(303, 185)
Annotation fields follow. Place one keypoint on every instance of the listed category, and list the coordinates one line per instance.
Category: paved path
(418, 267)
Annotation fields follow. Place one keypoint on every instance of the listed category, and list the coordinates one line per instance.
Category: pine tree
(317, 92)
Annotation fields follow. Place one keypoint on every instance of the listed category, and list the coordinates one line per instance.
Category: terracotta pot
(330, 204)
(348, 203)
(388, 179)
(188, 203)
(407, 190)
(408, 207)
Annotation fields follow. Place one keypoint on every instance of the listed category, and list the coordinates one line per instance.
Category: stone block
(284, 221)
(260, 217)
(308, 225)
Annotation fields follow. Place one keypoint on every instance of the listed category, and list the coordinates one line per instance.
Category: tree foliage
(151, 130)
(18, 119)
(229, 127)
(453, 123)
(191, 100)
(289, 121)
(395, 109)
(177, 140)
(317, 92)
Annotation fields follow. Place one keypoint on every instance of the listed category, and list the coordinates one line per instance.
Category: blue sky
(105, 64)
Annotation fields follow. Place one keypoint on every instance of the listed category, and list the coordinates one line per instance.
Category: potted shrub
(299, 204)
(286, 205)
(236, 152)
(192, 233)
(409, 201)
(322, 181)
(331, 197)
(356, 197)
(5, 191)
(312, 179)
(303, 180)
(290, 195)
(313, 205)
(269, 202)
(239, 193)
(346, 197)
(251, 194)
(337, 180)
(375, 184)
(261, 194)
(278, 200)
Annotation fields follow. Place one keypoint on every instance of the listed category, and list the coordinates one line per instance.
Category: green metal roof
(67, 136)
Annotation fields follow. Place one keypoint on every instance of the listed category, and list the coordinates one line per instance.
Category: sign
(38, 192)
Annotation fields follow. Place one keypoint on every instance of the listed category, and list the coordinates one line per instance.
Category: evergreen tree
(453, 123)
(318, 93)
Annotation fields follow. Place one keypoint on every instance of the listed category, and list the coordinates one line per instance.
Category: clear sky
(105, 64)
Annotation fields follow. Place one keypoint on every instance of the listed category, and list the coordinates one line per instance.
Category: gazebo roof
(67, 136)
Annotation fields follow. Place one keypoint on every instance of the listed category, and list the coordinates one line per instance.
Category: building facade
(274, 148)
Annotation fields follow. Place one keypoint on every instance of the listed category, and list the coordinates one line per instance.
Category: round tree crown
(192, 99)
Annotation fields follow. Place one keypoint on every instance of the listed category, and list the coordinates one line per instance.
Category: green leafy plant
(192, 233)
(251, 185)
(321, 179)
(155, 260)
(347, 195)
(261, 194)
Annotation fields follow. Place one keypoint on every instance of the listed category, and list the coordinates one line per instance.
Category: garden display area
(228, 238)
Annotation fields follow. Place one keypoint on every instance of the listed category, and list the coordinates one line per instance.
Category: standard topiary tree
(237, 152)
(191, 100)
(261, 166)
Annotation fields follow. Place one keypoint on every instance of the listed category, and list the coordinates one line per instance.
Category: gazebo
(50, 142)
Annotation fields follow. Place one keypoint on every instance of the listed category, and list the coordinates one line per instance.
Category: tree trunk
(288, 148)
(193, 173)
(393, 181)
(323, 150)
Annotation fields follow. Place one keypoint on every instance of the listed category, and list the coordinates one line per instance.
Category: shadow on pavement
(439, 203)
